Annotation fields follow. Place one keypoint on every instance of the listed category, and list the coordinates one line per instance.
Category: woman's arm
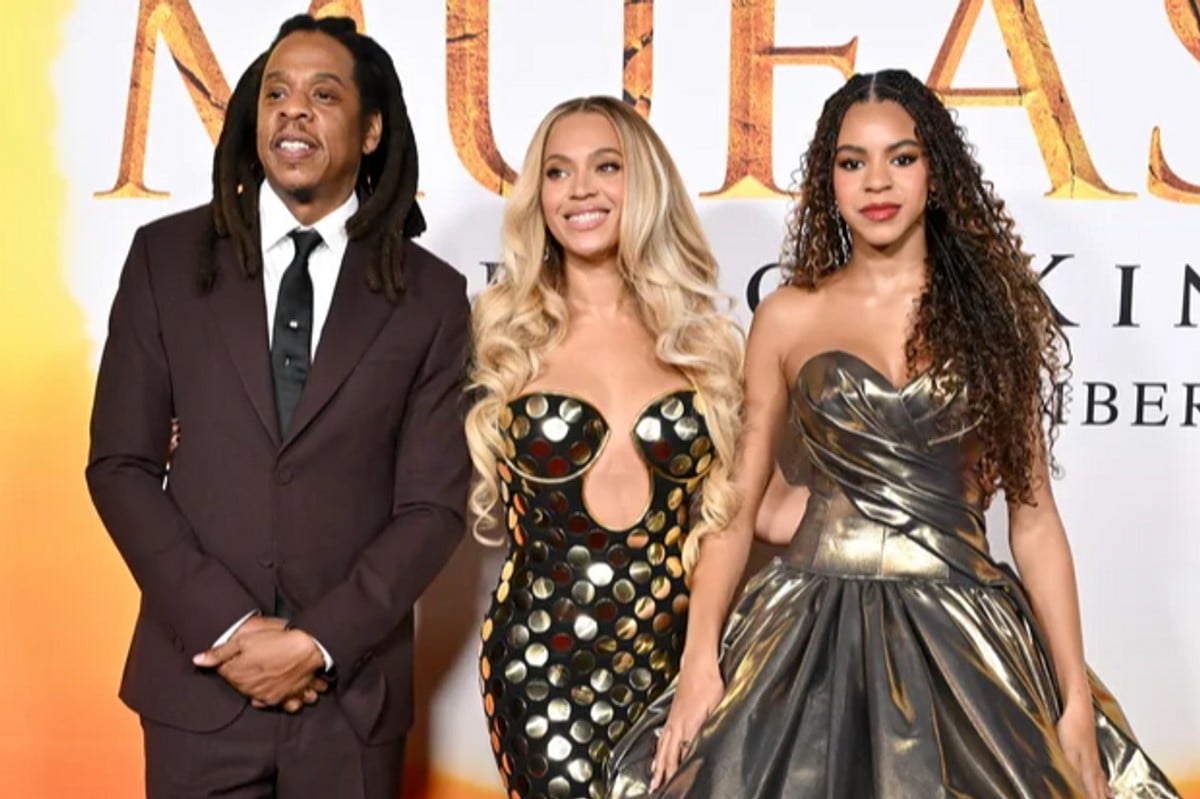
(723, 553)
(1043, 555)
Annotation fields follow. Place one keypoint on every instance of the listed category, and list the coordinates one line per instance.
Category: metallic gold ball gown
(886, 654)
(586, 625)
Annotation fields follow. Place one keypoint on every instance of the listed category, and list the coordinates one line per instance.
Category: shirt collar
(276, 221)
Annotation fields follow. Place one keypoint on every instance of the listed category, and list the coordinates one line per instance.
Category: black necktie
(291, 340)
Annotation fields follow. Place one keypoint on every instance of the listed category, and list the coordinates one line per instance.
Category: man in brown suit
(313, 356)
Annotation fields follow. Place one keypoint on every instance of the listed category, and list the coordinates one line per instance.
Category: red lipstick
(880, 212)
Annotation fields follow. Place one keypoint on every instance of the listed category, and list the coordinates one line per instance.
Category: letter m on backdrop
(176, 23)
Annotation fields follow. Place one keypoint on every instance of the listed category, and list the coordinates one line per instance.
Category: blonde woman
(607, 385)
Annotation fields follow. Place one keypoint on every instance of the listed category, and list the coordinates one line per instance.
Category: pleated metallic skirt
(862, 665)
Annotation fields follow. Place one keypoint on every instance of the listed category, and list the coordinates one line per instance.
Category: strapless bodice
(895, 472)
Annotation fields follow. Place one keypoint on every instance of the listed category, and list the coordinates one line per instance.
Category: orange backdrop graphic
(66, 600)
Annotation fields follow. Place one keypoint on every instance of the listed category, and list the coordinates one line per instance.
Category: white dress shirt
(275, 223)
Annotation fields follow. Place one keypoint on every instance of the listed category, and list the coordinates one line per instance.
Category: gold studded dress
(586, 626)
(886, 654)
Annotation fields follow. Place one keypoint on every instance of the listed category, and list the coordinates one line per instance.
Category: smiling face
(312, 133)
(880, 174)
(583, 187)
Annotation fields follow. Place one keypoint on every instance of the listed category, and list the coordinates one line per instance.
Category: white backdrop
(1125, 495)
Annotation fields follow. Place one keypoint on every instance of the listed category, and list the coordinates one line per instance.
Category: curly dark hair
(387, 177)
(982, 320)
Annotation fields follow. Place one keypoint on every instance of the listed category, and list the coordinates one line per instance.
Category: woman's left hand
(1077, 735)
(700, 689)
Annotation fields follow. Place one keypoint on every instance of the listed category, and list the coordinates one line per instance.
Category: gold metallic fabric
(586, 625)
(886, 654)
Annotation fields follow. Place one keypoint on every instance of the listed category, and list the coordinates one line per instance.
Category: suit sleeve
(191, 594)
(428, 514)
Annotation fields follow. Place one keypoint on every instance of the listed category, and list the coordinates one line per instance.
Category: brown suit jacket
(351, 514)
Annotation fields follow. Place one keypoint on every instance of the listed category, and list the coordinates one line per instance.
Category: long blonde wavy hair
(663, 257)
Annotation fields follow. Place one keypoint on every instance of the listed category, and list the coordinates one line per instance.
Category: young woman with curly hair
(607, 386)
(913, 358)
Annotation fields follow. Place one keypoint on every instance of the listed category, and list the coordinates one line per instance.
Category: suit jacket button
(265, 561)
(283, 476)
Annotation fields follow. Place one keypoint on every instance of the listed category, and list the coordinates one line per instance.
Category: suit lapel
(356, 316)
(241, 311)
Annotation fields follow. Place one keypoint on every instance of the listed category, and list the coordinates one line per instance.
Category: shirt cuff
(237, 625)
(325, 654)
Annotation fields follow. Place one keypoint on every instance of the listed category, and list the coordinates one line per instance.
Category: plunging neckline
(632, 432)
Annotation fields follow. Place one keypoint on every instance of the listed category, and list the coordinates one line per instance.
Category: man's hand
(269, 664)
